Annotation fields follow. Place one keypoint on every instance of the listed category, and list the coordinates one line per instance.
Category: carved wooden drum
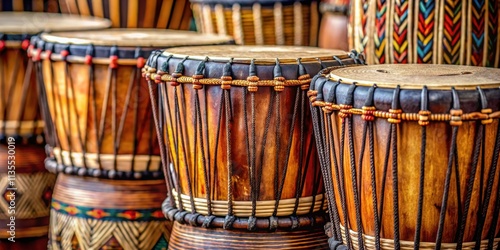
(410, 154)
(162, 14)
(284, 22)
(234, 131)
(334, 24)
(94, 96)
(437, 32)
(25, 186)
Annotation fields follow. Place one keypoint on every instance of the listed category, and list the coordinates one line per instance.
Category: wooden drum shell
(62, 107)
(408, 152)
(162, 14)
(261, 22)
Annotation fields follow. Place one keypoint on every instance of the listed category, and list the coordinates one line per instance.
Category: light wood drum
(410, 154)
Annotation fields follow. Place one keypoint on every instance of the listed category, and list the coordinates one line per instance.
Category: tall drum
(162, 14)
(438, 32)
(25, 186)
(334, 24)
(234, 129)
(410, 154)
(262, 22)
(98, 104)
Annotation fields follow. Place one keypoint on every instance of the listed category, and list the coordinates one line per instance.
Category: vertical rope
(423, 121)
(257, 23)
(352, 158)
(325, 167)
(238, 34)
(298, 21)
(455, 122)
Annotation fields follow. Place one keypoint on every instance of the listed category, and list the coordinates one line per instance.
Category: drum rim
(97, 23)
(486, 82)
(58, 38)
(329, 55)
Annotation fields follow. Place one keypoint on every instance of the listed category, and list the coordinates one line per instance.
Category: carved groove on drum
(454, 201)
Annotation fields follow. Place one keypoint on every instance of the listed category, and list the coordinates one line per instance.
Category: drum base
(92, 213)
(189, 237)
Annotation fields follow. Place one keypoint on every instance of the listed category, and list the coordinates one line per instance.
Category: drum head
(261, 54)
(36, 22)
(135, 37)
(415, 76)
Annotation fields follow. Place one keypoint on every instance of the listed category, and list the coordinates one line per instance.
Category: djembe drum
(162, 14)
(283, 22)
(234, 123)
(93, 94)
(334, 21)
(410, 154)
(31, 5)
(437, 32)
(25, 186)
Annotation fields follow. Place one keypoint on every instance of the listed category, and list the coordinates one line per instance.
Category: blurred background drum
(30, 5)
(24, 183)
(93, 94)
(413, 160)
(284, 22)
(234, 122)
(334, 24)
(438, 32)
(162, 14)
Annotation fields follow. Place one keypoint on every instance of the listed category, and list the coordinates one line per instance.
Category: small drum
(99, 107)
(436, 32)
(26, 186)
(162, 14)
(234, 122)
(283, 22)
(334, 21)
(410, 154)
(30, 5)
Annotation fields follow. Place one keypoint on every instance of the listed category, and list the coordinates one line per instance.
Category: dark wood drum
(93, 95)
(334, 24)
(162, 14)
(30, 5)
(25, 186)
(437, 32)
(410, 154)
(283, 22)
(234, 129)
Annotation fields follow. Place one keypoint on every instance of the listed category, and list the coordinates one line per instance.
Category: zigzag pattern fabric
(464, 32)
